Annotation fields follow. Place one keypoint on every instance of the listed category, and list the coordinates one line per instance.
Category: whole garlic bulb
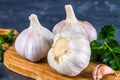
(72, 23)
(34, 42)
(70, 53)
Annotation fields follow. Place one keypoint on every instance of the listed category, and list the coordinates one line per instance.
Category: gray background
(14, 14)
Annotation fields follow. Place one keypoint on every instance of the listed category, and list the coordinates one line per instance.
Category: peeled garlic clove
(71, 23)
(70, 53)
(34, 42)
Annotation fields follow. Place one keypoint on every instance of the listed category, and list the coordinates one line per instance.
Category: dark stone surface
(14, 14)
(6, 74)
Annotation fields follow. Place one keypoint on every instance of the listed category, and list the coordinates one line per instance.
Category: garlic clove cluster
(34, 42)
(70, 53)
(71, 23)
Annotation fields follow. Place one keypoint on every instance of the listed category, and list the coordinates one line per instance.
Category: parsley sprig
(5, 38)
(106, 48)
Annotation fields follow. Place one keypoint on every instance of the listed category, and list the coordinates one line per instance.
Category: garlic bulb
(71, 23)
(34, 42)
(70, 53)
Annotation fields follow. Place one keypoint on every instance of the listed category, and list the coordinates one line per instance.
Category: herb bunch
(5, 38)
(106, 48)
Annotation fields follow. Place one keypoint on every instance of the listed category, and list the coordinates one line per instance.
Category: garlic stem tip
(68, 6)
(32, 16)
(34, 20)
(70, 12)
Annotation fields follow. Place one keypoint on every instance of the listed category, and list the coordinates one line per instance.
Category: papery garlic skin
(91, 31)
(71, 23)
(101, 70)
(70, 53)
(34, 42)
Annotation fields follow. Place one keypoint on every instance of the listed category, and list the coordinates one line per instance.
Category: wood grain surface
(41, 70)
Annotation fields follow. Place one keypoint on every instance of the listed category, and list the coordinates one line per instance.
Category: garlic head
(34, 42)
(70, 53)
(71, 23)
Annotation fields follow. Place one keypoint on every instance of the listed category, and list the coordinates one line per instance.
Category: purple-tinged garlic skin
(102, 70)
(71, 23)
(70, 53)
(34, 42)
(91, 31)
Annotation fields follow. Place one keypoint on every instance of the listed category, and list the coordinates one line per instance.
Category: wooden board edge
(16, 69)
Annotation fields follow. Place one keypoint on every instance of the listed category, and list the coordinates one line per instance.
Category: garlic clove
(71, 23)
(70, 53)
(34, 42)
(102, 70)
(92, 33)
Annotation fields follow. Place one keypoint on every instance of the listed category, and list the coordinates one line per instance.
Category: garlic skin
(102, 70)
(70, 53)
(71, 23)
(34, 42)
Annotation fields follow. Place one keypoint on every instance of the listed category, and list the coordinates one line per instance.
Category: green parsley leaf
(8, 37)
(5, 38)
(116, 49)
(107, 33)
(106, 49)
(1, 53)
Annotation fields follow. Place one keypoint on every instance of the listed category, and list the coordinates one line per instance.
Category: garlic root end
(60, 48)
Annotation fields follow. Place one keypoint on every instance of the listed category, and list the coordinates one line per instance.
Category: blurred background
(15, 13)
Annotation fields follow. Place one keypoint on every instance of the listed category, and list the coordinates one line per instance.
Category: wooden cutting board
(41, 70)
